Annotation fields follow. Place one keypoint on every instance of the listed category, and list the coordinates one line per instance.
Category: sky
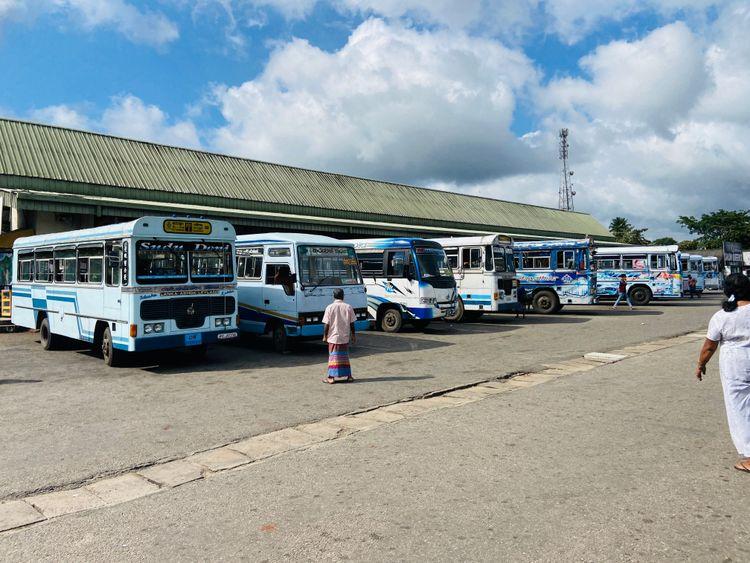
(460, 95)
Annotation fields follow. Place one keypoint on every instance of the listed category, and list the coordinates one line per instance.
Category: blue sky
(461, 95)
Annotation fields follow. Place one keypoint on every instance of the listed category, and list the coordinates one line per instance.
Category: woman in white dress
(731, 328)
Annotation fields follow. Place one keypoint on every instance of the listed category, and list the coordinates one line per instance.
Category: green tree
(718, 226)
(664, 241)
(626, 233)
(689, 245)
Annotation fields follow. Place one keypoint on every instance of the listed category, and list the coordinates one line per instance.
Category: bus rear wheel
(640, 295)
(458, 312)
(280, 338)
(391, 320)
(545, 302)
(109, 353)
(45, 335)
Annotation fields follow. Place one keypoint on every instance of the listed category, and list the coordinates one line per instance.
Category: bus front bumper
(146, 343)
(313, 330)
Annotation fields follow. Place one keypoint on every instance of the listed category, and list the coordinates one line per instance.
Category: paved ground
(67, 418)
(630, 461)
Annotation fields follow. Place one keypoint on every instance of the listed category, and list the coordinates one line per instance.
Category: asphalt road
(630, 461)
(67, 418)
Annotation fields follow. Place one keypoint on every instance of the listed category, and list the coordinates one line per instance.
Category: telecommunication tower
(566, 183)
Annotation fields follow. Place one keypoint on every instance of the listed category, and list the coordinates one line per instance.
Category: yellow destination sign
(187, 227)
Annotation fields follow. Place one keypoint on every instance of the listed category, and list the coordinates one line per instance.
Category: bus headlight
(153, 328)
(148, 329)
(222, 321)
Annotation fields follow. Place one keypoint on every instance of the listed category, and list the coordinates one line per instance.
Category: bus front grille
(187, 312)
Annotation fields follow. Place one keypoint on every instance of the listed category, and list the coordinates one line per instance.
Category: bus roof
(710, 259)
(395, 242)
(289, 238)
(150, 226)
(474, 241)
(639, 249)
(549, 244)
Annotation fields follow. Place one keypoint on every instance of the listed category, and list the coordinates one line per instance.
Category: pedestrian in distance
(521, 305)
(692, 286)
(622, 292)
(730, 327)
(338, 332)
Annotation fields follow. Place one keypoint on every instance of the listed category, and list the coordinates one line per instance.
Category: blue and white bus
(692, 265)
(556, 273)
(484, 272)
(653, 272)
(407, 280)
(286, 280)
(149, 284)
(714, 278)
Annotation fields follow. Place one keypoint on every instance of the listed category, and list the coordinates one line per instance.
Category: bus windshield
(211, 262)
(161, 262)
(328, 265)
(433, 263)
(502, 258)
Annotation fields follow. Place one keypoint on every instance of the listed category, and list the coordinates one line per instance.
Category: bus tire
(458, 312)
(110, 354)
(421, 324)
(391, 320)
(545, 302)
(48, 340)
(640, 295)
(280, 338)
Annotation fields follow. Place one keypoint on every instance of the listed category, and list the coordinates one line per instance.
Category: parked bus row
(157, 283)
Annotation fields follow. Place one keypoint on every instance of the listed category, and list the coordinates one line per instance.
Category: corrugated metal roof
(78, 157)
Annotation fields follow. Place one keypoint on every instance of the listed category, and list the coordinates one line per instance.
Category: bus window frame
(109, 247)
(564, 252)
(88, 259)
(65, 259)
(369, 257)
(51, 260)
(536, 254)
(615, 258)
(31, 261)
(452, 254)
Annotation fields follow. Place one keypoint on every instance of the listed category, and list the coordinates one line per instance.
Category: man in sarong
(338, 332)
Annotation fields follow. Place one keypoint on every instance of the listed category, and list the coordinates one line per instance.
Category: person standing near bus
(521, 305)
(692, 286)
(731, 328)
(622, 292)
(338, 332)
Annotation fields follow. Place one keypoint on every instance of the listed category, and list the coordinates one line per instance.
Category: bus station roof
(64, 170)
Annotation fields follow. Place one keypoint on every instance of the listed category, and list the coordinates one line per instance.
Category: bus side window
(516, 262)
(658, 262)
(241, 264)
(566, 260)
(396, 262)
(25, 266)
(452, 255)
(43, 266)
(113, 264)
(371, 264)
(90, 264)
(280, 274)
(65, 265)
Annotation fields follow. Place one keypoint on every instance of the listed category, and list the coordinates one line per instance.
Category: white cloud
(139, 26)
(62, 116)
(392, 103)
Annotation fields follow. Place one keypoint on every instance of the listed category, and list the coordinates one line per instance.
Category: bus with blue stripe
(651, 272)
(150, 284)
(485, 275)
(556, 273)
(408, 280)
(286, 280)
(714, 277)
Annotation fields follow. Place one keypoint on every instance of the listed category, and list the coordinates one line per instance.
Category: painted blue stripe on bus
(475, 296)
(21, 294)
(39, 303)
(477, 302)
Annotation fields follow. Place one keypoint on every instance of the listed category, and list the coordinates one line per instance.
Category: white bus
(407, 280)
(692, 265)
(714, 278)
(149, 284)
(286, 280)
(653, 272)
(484, 273)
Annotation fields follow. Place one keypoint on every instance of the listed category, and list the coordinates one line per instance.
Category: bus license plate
(226, 335)
(193, 339)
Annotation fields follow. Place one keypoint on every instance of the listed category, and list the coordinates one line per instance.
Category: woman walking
(338, 331)
(731, 328)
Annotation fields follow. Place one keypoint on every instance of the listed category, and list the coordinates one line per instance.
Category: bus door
(279, 297)
(113, 296)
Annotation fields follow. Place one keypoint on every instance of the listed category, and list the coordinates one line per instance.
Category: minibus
(714, 278)
(556, 273)
(150, 284)
(408, 280)
(485, 275)
(652, 272)
(692, 265)
(286, 280)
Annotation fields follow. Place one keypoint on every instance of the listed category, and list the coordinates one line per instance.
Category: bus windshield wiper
(317, 285)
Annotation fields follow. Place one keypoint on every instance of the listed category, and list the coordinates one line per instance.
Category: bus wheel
(545, 302)
(280, 338)
(421, 324)
(640, 295)
(109, 353)
(458, 312)
(390, 320)
(45, 335)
